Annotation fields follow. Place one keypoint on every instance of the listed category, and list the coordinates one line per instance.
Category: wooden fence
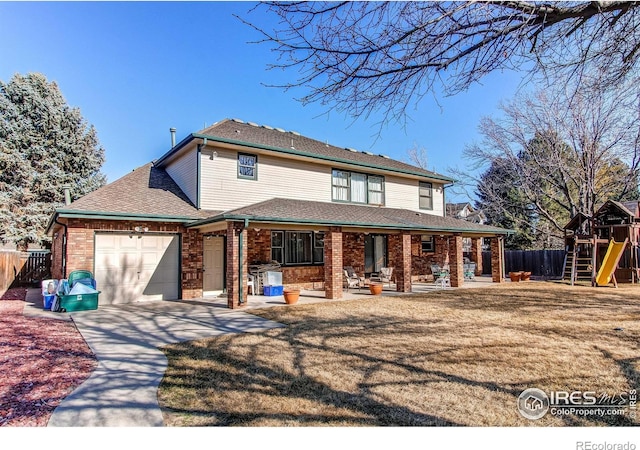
(541, 263)
(23, 269)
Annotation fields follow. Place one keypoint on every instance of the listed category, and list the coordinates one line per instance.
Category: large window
(426, 195)
(297, 247)
(247, 166)
(357, 187)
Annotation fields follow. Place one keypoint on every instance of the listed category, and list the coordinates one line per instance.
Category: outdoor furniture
(251, 284)
(384, 276)
(441, 276)
(469, 271)
(351, 278)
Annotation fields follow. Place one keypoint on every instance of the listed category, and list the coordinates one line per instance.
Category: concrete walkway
(122, 391)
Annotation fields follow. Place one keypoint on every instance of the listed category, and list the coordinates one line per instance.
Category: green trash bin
(79, 275)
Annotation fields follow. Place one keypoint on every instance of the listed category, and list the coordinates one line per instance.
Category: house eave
(106, 215)
(287, 221)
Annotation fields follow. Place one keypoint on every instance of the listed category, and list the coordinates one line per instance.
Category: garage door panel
(137, 269)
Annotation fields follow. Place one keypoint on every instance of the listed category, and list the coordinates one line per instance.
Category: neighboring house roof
(280, 210)
(234, 131)
(473, 215)
(147, 192)
(453, 209)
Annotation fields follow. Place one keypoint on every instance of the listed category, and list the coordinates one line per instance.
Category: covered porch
(313, 252)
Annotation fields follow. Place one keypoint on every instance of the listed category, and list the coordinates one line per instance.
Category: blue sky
(137, 69)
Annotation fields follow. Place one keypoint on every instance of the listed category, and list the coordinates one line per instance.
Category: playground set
(604, 248)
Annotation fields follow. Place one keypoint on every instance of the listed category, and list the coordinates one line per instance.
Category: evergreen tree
(44, 144)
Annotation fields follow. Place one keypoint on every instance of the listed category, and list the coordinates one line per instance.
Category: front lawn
(448, 358)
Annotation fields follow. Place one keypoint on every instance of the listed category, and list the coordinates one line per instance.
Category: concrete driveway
(122, 391)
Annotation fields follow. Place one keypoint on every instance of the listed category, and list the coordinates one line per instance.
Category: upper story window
(357, 187)
(426, 195)
(247, 166)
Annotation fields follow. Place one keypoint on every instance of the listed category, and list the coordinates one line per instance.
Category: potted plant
(525, 276)
(375, 288)
(291, 296)
(515, 276)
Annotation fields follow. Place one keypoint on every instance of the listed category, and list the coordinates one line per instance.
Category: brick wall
(234, 230)
(303, 277)
(353, 251)
(399, 247)
(260, 246)
(333, 275)
(420, 261)
(57, 250)
(456, 260)
(497, 268)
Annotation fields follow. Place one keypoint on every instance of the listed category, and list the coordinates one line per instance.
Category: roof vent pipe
(173, 137)
(67, 194)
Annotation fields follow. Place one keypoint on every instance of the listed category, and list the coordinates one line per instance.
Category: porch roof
(287, 211)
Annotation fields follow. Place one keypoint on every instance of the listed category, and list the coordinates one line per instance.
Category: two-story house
(235, 194)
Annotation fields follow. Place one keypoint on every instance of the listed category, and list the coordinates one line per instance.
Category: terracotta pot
(515, 276)
(525, 276)
(291, 296)
(375, 288)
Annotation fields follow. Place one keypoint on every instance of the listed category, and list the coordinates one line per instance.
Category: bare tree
(417, 156)
(564, 152)
(360, 57)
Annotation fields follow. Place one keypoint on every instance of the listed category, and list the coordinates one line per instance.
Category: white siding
(404, 193)
(287, 178)
(277, 177)
(184, 171)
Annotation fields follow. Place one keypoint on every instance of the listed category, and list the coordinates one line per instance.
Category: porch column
(333, 263)
(236, 261)
(400, 257)
(476, 254)
(497, 263)
(456, 260)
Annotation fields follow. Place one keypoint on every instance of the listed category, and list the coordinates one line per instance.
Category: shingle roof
(279, 210)
(147, 191)
(292, 142)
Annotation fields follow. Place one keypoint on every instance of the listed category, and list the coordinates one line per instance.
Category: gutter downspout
(64, 248)
(199, 170)
(240, 265)
(444, 199)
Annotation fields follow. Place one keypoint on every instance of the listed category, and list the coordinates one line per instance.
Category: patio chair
(385, 275)
(441, 276)
(251, 284)
(351, 278)
(469, 271)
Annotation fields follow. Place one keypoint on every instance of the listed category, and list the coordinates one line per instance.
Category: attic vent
(281, 130)
(384, 156)
(237, 120)
(368, 153)
(295, 133)
(253, 124)
(267, 127)
(351, 149)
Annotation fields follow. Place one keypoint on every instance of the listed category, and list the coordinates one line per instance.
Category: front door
(375, 252)
(213, 264)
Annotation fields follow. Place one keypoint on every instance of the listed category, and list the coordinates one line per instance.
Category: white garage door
(132, 268)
